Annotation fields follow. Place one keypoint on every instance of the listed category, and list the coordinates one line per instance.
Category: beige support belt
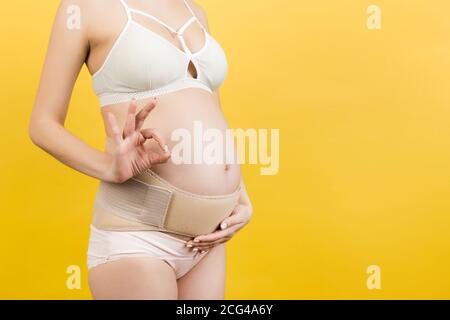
(148, 202)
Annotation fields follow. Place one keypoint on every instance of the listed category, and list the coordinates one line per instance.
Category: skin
(133, 145)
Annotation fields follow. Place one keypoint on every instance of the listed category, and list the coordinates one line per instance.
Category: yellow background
(365, 151)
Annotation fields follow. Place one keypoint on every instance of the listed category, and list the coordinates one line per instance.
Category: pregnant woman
(159, 226)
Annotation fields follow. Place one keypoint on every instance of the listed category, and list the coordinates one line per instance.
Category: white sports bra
(142, 64)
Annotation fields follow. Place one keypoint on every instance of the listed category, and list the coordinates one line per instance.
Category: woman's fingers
(143, 114)
(130, 123)
(157, 158)
(153, 134)
(216, 235)
(141, 139)
(228, 228)
(239, 215)
(207, 246)
(117, 136)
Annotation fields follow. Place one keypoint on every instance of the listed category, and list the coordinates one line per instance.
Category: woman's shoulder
(100, 19)
(91, 4)
(87, 6)
(94, 10)
(199, 12)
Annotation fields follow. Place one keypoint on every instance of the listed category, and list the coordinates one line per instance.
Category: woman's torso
(187, 108)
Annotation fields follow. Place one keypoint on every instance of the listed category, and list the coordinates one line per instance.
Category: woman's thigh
(137, 278)
(206, 281)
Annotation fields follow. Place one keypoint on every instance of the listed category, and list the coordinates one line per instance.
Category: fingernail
(196, 240)
(189, 245)
(203, 251)
(195, 249)
(166, 148)
(223, 225)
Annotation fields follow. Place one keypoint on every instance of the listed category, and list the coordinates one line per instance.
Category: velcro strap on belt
(137, 201)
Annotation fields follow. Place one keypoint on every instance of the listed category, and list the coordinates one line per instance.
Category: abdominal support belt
(148, 202)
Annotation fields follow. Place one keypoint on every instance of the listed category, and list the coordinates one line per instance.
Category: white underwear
(105, 246)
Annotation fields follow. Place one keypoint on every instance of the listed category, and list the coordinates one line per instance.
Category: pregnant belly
(185, 118)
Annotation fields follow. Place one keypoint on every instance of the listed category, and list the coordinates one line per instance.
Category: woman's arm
(67, 51)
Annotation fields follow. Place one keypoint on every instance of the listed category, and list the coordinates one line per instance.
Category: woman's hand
(240, 216)
(129, 156)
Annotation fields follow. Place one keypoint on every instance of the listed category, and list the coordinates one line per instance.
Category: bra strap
(127, 9)
(186, 25)
(193, 13)
(129, 12)
(145, 14)
(189, 8)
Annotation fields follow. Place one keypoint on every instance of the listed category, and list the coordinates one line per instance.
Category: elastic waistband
(144, 177)
(121, 97)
